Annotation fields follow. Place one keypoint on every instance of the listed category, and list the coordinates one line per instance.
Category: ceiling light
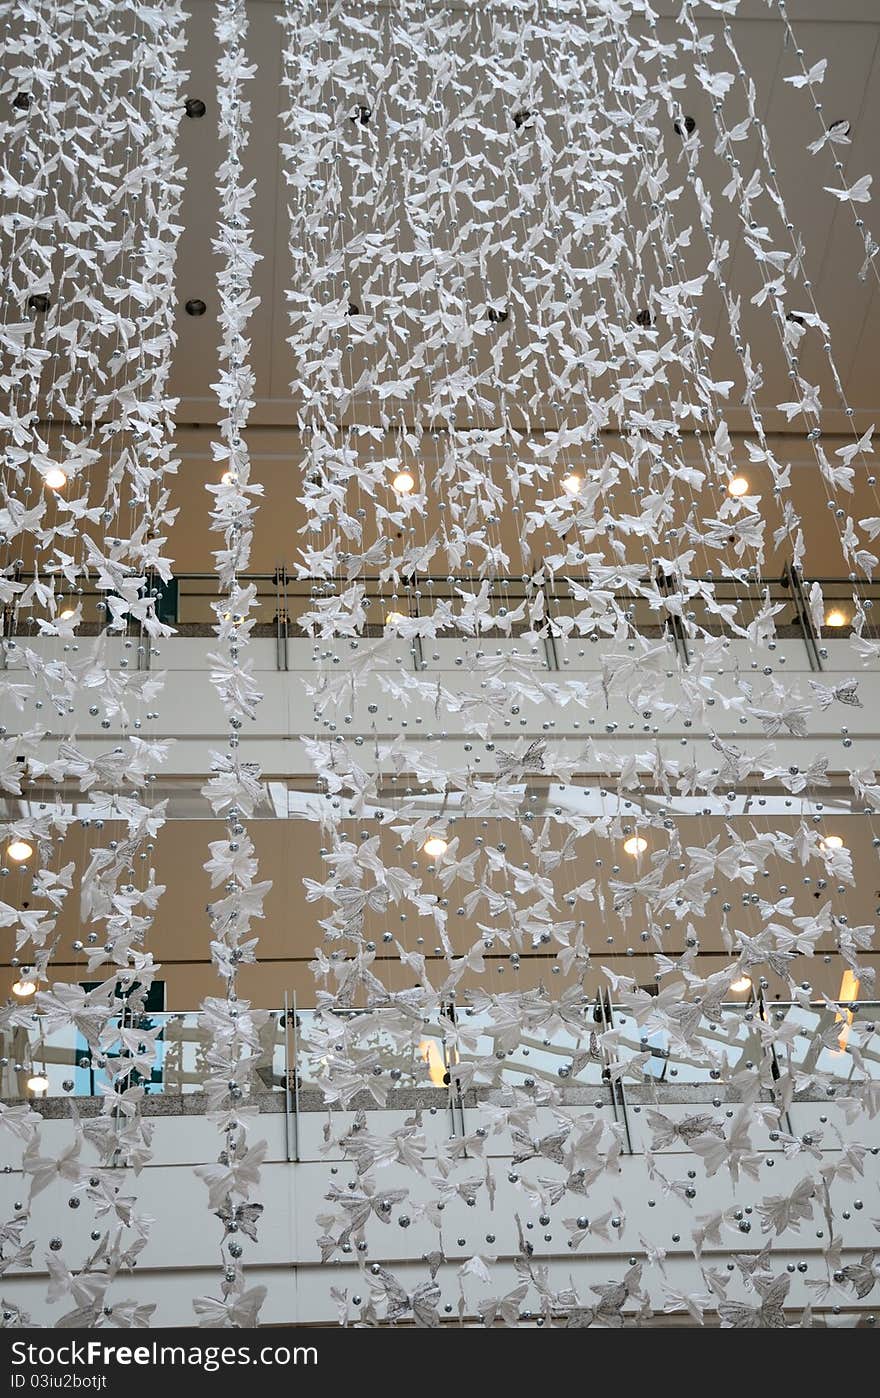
(39, 303)
(635, 845)
(684, 126)
(23, 988)
(195, 307)
(571, 484)
(831, 842)
(20, 850)
(55, 478)
(403, 482)
(836, 617)
(194, 107)
(738, 485)
(39, 1083)
(67, 614)
(742, 984)
(435, 846)
(394, 618)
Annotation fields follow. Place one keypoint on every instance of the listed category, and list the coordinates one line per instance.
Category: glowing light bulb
(228, 478)
(429, 1052)
(55, 478)
(635, 845)
(435, 846)
(742, 984)
(571, 484)
(67, 614)
(737, 485)
(38, 1083)
(20, 850)
(394, 618)
(403, 483)
(23, 988)
(836, 617)
(831, 842)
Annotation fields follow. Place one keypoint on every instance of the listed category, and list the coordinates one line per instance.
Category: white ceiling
(845, 31)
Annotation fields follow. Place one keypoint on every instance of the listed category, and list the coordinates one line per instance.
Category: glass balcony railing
(470, 1049)
(282, 601)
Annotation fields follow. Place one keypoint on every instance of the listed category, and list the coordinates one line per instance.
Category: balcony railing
(464, 1053)
(282, 601)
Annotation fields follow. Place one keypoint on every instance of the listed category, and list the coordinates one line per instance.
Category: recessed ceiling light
(742, 984)
(195, 307)
(194, 107)
(498, 317)
(55, 478)
(361, 115)
(521, 117)
(394, 618)
(684, 126)
(836, 617)
(23, 988)
(635, 845)
(38, 1083)
(353, 309)
(403, 482)
(67, 614)
(22, 101)
(738, 485)
(39, 303)
(831, 842)
(571, 484)
(19, 850)
(644, 319)
(435, 846)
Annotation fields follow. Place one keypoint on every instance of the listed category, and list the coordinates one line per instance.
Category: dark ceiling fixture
(685, 126)
(195, 307)
(39, 303)
(22, 101)
(194, 107)
(361, 115)
(353, 309)
(498, 317)
(521, 117)
(644, 319)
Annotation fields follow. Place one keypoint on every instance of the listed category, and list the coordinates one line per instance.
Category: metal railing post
(285, 1020)
(791, 578)
(666, 585)
(281, 619)
(617, 1089)
(295, 1081)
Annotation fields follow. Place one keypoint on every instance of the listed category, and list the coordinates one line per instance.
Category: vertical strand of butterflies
(834, 133)
(234, 789)
(97, 58)
(330, 54)
(796, 326)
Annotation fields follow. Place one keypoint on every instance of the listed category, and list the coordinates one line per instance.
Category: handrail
(61, 1052)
